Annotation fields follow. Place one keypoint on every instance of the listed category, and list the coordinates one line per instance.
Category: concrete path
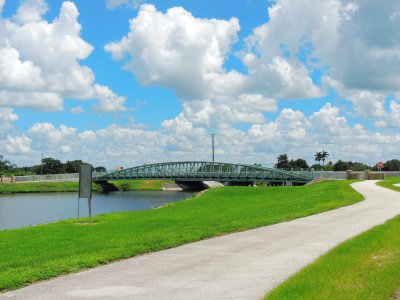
(238, 266)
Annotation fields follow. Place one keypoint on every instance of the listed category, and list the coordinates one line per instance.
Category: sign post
(380, 167)
(85, 186)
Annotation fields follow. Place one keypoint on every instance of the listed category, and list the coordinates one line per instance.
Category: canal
(20, 210)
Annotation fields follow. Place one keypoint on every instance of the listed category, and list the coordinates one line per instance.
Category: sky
(131, 82)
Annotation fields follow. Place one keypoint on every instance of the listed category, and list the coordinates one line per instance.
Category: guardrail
(48, 177)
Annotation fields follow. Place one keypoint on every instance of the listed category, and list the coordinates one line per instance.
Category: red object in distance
(379, 165)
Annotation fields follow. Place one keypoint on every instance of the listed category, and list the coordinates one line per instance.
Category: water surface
(19, 210)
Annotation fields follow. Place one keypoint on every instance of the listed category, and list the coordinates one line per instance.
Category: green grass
(47, 186)
(37, 187)
(389, 181)
(143, 185)
(365, 267)
(40, 252)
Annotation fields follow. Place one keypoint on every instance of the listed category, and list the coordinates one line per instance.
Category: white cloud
(357, 42)
(47, 133)
(30, 11)
(7, 119)
(15, 74)
(108, 100)
(17, 145)
(368, 104)
(291, 132)
(40, 60)
(1, 6)
(34, 100)
(77, 110)
(178, 51)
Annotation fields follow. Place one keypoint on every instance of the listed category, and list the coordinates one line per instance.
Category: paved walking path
(243, 265)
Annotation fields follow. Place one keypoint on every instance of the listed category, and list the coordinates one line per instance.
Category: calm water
(19, 210)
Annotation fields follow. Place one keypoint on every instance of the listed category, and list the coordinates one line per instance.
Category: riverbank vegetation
(140, 185)
(389, 183)
(365, 267)
(36, 253)
(48, 186)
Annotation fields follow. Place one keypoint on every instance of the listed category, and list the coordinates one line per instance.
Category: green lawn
(365, 267)
(36, 187)
(40, 252)
(47, 186)
(389, 181)
(142, 185)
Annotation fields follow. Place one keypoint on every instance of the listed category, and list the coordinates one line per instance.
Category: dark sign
(85, 181)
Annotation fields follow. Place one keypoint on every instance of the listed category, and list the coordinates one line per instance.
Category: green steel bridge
(191, 173)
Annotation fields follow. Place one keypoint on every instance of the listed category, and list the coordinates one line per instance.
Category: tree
(52, 166)
(283, 162)
(100, 169)
(340, 166)
(318, 157)
(324, 155)
(5, 164)
(72, 166)
(392, 165)
(298, 164)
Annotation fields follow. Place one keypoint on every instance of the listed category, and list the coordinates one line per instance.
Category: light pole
(212, 143)
(41, 166)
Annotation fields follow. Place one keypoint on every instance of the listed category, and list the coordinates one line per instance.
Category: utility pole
(212, 141)
(41, 166)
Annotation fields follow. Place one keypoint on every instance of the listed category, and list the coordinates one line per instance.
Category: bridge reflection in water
(193, 174)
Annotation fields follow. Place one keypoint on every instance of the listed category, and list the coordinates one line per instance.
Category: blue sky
(77, 81)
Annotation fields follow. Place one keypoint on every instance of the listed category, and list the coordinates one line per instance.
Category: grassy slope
(46, 186)
(36, 253)
(143, 185)
(365, 267)
(389, 181)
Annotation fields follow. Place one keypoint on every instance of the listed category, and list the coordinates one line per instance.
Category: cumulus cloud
(291, 132)
(187, 54)
(17, 144)
(40, 60)
(356, 42)
(7, 119)
(178, 51)
(108, 100)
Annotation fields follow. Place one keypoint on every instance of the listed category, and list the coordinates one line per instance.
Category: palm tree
(324, 156)
(318, 157)
(283, 161)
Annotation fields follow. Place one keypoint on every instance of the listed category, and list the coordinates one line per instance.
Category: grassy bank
(37, 187)
(365, 267)
(46, 186)
(40, 252)
(143, 185)
(389, 181)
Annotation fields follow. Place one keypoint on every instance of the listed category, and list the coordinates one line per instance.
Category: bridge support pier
(107, 187)
(191, 185)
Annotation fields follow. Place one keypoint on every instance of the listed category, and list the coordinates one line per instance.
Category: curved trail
(242, 265)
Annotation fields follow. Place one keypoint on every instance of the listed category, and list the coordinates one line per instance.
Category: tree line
(48, 165)
(51, 165)
(283, 162)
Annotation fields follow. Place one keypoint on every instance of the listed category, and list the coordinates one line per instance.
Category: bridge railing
(207, 171)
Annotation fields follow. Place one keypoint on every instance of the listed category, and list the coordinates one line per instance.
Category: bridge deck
(207, 171)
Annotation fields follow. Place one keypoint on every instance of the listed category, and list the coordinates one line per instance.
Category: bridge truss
(207, 171)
